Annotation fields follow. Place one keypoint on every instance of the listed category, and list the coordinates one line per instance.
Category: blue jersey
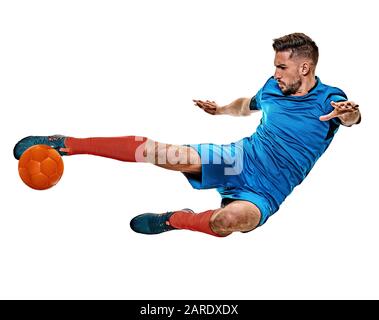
(265, 167)
(290, 137)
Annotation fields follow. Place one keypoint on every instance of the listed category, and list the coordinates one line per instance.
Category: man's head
(296, 57)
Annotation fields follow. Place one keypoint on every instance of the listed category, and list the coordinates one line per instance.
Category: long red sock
(195, 222)
(119, 148)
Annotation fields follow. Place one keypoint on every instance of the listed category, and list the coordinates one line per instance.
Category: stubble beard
(291, 88)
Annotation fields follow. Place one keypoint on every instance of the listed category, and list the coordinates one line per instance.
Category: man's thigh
(221, 166)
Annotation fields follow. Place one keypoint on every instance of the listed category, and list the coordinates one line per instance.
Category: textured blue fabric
(278, 156)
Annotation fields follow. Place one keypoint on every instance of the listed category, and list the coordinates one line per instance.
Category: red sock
(195, 222)
(119, 148)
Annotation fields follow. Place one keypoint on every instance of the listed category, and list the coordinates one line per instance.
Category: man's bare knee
(235, 218)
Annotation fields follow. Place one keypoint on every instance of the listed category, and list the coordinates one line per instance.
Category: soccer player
(300, 116)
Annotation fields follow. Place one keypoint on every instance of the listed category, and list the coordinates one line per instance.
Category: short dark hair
(299, 44)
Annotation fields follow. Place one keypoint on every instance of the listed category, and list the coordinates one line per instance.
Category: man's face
(287, 73)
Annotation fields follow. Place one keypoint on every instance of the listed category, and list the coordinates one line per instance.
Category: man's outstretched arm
(347, 111)
(239, 107)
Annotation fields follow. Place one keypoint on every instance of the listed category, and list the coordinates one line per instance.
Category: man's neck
(307, 85)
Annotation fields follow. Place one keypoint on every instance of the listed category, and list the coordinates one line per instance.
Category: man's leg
(173, 157)
(138, 149)
(236, 216)
(127, 148)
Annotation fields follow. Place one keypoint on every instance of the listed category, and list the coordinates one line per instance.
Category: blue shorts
(223, 168)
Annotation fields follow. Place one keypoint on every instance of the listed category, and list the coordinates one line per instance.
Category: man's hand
(210, 107)
(347, 111)
(239, 107)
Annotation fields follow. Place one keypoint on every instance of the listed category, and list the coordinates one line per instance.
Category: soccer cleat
(55, 141)
(153, 223)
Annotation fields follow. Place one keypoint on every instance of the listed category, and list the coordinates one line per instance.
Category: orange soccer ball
(40, 167)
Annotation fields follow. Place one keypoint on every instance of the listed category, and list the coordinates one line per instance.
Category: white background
(109, 68)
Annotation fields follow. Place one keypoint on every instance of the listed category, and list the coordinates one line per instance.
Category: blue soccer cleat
(153, 223)
(56, 142)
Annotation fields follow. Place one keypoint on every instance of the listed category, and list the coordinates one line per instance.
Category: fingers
(210, 111)
(199, 103)
(343, 105)
(340, 108)
(329, 116)
(325, 118)
(208, 106)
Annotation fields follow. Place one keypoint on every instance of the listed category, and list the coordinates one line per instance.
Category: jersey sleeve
(255, 102)
(329, 108)
(337, 98)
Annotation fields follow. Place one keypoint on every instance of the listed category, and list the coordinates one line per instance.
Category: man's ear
(305, 68)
